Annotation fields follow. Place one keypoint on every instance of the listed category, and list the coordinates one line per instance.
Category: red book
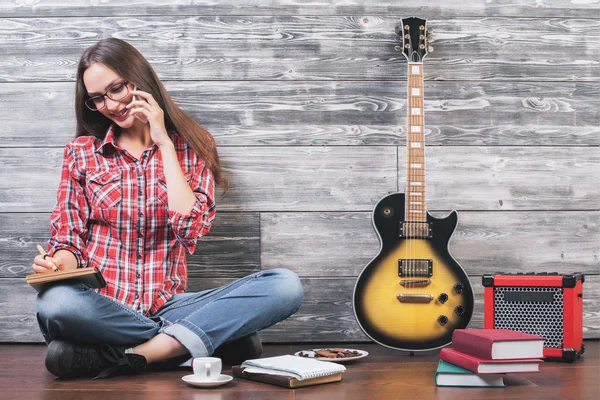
(498, 344)
(483, 366)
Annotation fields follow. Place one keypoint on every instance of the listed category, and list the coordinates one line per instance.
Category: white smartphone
(136, 116)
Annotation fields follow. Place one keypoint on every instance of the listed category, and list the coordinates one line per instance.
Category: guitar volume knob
(458, 288)
(459, 310)
(442, 320)
(442, 298)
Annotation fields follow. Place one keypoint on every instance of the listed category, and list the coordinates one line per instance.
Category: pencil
(43, 253)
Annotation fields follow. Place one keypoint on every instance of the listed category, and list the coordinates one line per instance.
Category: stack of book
(481, 357)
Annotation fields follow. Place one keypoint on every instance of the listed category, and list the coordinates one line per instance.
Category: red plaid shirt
(112, 213)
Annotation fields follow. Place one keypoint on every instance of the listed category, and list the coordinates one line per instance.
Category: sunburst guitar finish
(441, 299)
(413, 294)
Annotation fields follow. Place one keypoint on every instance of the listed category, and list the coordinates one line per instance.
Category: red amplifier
(544, 304)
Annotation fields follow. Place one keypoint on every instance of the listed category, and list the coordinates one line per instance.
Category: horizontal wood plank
(232, 249)
(335, 113)
(355, 47)
(295, 178)
(342, 244)
(510, 178)
(447, 9)
(310, 323)
(355, 178)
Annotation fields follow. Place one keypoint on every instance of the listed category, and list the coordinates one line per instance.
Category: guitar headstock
(415, 39)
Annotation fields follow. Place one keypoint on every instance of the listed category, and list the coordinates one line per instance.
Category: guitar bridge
(415, 298)
(413, 268)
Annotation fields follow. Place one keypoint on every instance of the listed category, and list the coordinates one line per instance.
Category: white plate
(312, 354)
(192, 380)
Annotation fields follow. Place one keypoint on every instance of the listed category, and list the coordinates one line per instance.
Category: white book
(297, 367)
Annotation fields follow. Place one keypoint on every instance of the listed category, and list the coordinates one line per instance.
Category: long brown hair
(131, 65)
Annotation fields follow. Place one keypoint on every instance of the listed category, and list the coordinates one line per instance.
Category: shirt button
(137, 275)
(139, 256)
(137, 296)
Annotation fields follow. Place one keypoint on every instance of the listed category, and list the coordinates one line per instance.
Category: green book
(448, 374)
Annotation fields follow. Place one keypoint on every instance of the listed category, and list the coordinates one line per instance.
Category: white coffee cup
(207, 368)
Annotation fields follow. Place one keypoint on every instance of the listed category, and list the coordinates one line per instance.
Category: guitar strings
(407, 229)
(409, 263)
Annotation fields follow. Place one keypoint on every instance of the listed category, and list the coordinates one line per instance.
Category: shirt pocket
(105, 189)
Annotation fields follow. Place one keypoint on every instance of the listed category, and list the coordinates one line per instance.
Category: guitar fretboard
(415, 147)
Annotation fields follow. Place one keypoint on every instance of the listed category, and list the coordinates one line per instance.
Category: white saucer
(192, 380)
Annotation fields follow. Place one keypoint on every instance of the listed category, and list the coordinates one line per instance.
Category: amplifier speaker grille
(535, 310)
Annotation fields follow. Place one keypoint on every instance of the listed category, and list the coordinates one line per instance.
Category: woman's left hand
(148, 111)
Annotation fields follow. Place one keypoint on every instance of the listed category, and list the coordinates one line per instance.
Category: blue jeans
(200, 321)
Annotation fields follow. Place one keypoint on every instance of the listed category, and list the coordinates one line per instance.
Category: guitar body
(441, 289)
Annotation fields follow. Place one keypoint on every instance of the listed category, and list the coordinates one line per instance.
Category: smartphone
(135, 115)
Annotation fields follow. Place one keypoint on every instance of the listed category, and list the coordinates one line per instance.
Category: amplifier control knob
(442, 298)
(459, 310)
(442, 320)
(458, 288)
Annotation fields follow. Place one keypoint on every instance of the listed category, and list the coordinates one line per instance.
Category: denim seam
(212, 301)
(130, 311)
(217, 290)
(271, 322)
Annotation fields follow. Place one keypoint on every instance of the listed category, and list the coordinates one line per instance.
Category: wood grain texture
(355, 178)
(259, 113)
(354, 47)
(232, 249)
(510, 178)
(342, 244)
(374, 377)
(326, 313)
(447, 9)
(284, 178)
(307, 103)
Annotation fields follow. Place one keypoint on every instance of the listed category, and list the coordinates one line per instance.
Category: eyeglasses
(117, 92)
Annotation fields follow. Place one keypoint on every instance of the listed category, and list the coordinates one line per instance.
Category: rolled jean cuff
(191, 337)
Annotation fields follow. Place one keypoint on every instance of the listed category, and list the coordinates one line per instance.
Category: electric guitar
(413, 294)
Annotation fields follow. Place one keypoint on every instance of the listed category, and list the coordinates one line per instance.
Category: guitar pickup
(415, 268)
(415, 230)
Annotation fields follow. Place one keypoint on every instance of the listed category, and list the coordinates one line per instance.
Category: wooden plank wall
(307, 104)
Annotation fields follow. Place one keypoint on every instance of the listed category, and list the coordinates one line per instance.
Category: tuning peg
(398, 30)
(429, 31)
(398, 48)
(430, 49)
(429, 39)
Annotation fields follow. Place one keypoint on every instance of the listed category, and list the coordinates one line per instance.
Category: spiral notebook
(290, 371)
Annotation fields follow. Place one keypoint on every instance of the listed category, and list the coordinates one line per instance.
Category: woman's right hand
(41, 266)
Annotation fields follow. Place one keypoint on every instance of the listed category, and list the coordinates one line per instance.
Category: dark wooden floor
(384, 374)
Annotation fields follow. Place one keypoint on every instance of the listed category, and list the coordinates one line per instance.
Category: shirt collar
(109, 138)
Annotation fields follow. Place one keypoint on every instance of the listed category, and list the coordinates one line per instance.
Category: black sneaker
(239, 350)
(66, 359)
